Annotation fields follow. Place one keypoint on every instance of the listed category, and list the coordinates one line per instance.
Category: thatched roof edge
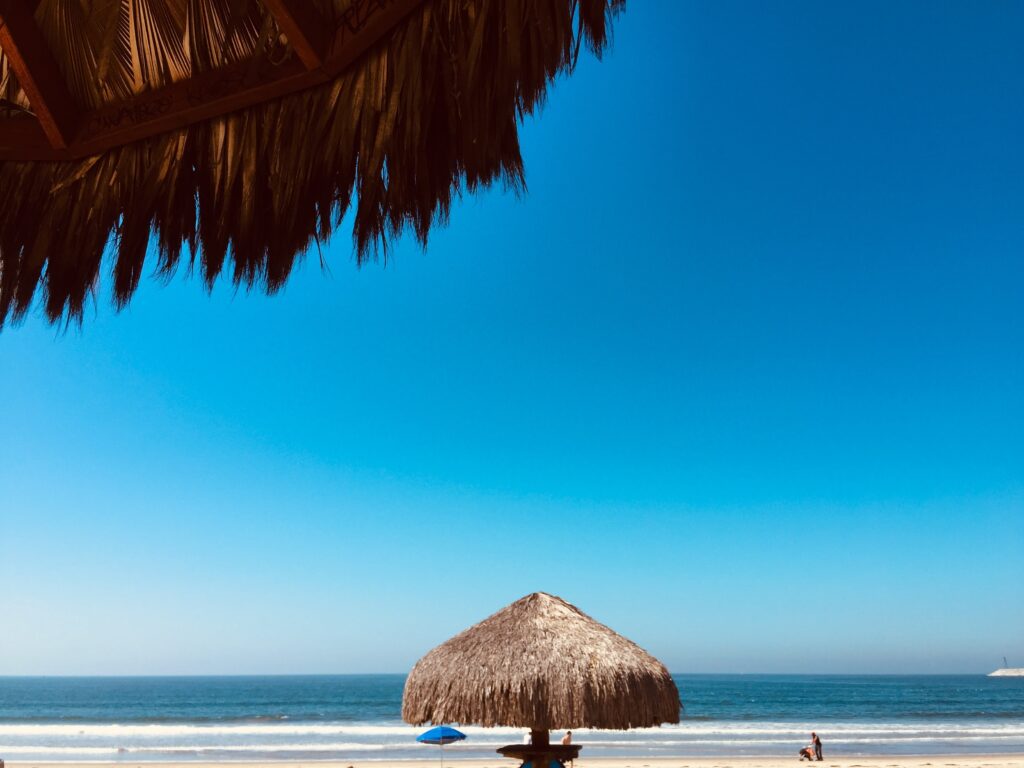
(431, 111)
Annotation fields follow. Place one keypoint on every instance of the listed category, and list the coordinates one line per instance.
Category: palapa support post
(540, 738)
(540, 751)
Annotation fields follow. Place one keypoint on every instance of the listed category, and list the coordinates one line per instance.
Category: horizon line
(405, 674)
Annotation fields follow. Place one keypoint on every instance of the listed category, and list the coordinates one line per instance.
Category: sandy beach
(877, 761)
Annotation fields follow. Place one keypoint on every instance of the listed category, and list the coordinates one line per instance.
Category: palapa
(238, 132)
(543, 664)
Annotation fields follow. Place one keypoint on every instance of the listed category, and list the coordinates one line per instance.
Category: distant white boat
(1007, 671)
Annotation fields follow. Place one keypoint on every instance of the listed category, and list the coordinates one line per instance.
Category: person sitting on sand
(567, 739)
(816, 743)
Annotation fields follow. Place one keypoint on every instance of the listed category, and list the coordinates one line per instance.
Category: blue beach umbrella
(440, 735)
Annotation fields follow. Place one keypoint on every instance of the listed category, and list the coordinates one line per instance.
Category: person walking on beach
(567, 739)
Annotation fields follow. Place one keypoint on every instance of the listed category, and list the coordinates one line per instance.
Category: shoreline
(881, 760)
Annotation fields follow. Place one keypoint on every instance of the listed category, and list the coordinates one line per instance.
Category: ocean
(357, 717)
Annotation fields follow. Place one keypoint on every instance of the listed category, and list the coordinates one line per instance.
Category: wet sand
(878, 761)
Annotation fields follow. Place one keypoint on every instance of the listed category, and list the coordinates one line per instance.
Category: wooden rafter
(307, 32)
(201, 97)
(362, 24)
(37, 72)
(208, 94)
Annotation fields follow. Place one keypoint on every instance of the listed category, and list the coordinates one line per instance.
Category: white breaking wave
(404, 731)
(280, 740)
(304, 747)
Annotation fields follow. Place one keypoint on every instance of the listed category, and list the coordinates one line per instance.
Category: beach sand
(881, 761)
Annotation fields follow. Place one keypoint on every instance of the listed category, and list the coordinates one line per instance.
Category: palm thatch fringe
(540, 663)
(431, 111)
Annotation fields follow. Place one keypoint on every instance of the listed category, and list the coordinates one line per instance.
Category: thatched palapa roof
(540, 663)
(241, 130)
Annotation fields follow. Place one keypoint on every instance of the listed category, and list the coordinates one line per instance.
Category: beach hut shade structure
(236, 133)
(540, 663)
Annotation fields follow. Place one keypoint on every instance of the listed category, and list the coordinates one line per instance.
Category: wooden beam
(220, 91)
(307, 31)
(362, 24)
(37, 72)
(181, 104)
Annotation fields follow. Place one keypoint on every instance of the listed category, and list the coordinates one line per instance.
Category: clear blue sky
(742, 376)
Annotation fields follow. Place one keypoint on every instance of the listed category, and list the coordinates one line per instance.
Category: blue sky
(741, 376)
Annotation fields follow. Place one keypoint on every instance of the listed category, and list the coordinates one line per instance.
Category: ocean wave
(195, 748)
(154, 730)
(283, 740)
(511, 735)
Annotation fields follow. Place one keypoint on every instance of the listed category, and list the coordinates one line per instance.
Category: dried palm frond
(431, 110)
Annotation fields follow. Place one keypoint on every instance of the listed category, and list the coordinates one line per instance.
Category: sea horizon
(674, 673)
